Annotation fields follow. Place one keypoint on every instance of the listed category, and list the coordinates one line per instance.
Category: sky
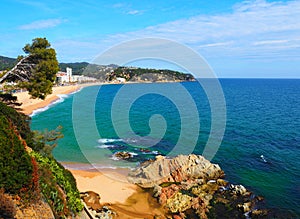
(238, 39)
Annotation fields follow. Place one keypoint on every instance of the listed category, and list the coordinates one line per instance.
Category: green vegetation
(145, 74)
(15, 163)
(7, 63)
(9, 99)
(31, 174)
(43, 74)
(20, 122)
(27, 167)
(46, 141)
(77, 67)
(111, 72)
(52, 174)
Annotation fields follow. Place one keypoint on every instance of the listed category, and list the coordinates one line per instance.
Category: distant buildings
(67, 77)
(120, 80)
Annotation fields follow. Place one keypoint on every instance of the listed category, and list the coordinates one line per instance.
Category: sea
(253, 126)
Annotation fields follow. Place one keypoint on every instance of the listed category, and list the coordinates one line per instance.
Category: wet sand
(128, 200)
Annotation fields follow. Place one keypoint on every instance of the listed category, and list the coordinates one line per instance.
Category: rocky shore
(186, 186)
(192, 187)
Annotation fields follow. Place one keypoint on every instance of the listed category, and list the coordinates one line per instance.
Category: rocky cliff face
(178, 169)
(192, 187)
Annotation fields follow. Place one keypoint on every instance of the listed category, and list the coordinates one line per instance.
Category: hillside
(31, 180)
(148, 75)
(6, 63)
(112, 72)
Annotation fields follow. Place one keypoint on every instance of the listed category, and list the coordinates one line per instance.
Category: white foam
(115, 158)
(38, 111)
(133, 154)
(151, 152)
(155, 152)
(104, 146)
(94, 166)
(107, 140)
(61, 98)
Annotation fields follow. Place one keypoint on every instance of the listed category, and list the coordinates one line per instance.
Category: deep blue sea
(260, 147)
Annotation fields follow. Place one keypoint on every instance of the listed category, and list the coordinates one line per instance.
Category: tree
(43, 74)
(47, 140)
(37, 71)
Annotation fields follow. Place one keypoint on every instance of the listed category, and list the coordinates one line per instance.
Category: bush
(20, 121)
(56, 182)
(15, 162)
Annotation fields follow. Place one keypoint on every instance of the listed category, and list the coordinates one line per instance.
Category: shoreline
(126, 199)
(29, 105)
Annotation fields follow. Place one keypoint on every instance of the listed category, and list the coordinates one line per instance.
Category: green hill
(111, 72)
(7, 63)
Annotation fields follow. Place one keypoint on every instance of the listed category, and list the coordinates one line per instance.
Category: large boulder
(177, 169)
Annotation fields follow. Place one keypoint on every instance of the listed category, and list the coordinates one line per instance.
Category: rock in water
(189, 186)
(178, 169)
(123, 155)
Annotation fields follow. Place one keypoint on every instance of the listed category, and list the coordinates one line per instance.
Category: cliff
(32, 184)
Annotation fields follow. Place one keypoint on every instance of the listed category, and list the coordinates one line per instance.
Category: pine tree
(43, 74)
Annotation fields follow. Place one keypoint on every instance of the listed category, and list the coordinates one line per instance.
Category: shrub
(56, 182)
(15, 162)
(20, 121)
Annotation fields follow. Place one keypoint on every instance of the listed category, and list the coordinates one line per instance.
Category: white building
(64, 77)
(67, 77)
(121, 80)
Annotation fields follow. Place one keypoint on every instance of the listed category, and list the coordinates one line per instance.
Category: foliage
(6, 63)
(47, 140)
(77, 67)
(29, 174)
(15, 163)
(19, 121)
(41, 79)
(7, 206)
(148, 74)
(53, 174)
(9, 100)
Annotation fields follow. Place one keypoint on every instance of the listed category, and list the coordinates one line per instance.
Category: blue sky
(241, 39)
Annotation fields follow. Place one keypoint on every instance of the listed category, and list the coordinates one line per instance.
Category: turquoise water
(263, 118)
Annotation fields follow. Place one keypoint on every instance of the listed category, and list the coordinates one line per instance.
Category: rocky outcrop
(192, 187)
(123, 155)
(178, 169)
(93, 208)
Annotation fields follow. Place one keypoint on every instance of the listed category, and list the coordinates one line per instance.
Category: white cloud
(41, 24)
(268, 42)
(134, 12)
(215, 44)
(252, 27)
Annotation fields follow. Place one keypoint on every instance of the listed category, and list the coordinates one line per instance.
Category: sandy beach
(29, 104)
(110, 184)
(126, 199)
